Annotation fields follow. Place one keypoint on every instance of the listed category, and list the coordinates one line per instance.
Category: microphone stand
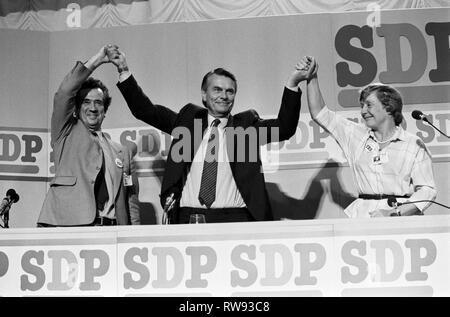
(2, 212)
(392, 202)
(426, 120)
(422, 201)
(170, 202)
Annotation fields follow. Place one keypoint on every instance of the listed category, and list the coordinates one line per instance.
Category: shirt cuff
(424, 193)
(293, 88)
(124, 76)
(323, 114)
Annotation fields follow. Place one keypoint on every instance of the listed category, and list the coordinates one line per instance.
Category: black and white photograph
(224, 154)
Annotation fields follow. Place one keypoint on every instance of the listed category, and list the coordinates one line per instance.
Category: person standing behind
(386, 160)
(224, 190)
(94, 181)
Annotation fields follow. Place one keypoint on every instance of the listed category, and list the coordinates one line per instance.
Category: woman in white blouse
(387, 162)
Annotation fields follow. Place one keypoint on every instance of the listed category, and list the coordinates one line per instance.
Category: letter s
(249, 267)
(39, 273)
(139, 268)
(4, 264)
(361, 264)
(347, 51)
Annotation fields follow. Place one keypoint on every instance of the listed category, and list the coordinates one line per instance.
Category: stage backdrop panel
(24, 75)
(24, 100)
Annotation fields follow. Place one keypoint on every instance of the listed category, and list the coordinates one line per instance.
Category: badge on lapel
(119, 163)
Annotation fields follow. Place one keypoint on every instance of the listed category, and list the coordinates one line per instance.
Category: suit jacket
(247, 173)
(70, 200)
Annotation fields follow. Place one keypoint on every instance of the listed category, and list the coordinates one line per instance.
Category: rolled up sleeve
(423, 179)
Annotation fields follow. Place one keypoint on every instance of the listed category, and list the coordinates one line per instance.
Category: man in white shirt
(216, 176)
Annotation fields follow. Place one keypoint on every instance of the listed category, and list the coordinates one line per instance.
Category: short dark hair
(389, 97)
(220, 72)
(88, 85)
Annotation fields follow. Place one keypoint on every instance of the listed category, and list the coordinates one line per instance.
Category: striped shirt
(109, 210)
(403, 167)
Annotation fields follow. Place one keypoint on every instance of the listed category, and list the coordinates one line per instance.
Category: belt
(194, 210)
(380, 196)
(214, 215)
(103, 221)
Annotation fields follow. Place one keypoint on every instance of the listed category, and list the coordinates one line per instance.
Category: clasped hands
(305, 69)
(111, 54)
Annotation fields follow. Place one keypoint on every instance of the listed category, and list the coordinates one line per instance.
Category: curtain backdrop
(49, 15)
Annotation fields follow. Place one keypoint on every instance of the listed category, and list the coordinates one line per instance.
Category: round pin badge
(119, 163)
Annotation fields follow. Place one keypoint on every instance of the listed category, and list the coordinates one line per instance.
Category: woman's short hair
(389, 97)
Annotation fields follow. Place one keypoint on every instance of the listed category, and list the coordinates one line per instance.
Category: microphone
(418, 115)
(392, 202)
(11, 198)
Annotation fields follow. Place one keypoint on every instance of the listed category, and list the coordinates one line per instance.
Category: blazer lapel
(196, 135)
(231, 142)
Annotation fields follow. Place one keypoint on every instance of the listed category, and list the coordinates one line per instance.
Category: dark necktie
(207, 193)
(100, 189)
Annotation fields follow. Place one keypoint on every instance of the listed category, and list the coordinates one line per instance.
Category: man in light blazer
(95, 181)
(239, 192)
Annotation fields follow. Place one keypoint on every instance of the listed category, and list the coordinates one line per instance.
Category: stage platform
(399, 256)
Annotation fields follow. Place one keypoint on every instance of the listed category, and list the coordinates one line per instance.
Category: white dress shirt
(227, 193)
